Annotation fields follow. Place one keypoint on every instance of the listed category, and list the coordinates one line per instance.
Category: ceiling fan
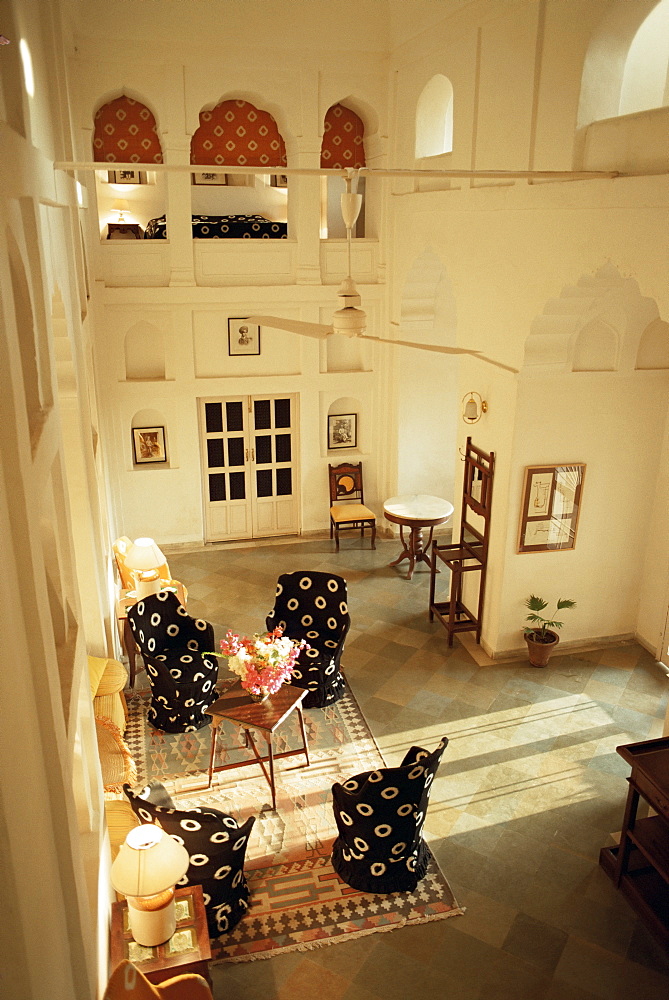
(350, 319)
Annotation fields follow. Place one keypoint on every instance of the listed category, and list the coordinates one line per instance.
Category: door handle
(253, 454)
(247, 454)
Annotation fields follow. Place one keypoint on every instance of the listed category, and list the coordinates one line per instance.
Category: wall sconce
(146, 867)
(120, 206)
(473, 407)
(144, 558)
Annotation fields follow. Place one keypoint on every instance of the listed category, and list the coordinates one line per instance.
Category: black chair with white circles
(173, 645)
(380, 816)
(313, 606)
(216, 845)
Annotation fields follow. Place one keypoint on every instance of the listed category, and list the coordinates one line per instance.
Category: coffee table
(266, 717)
(416, 511)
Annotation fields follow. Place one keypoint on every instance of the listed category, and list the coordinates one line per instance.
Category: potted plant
(541, 637)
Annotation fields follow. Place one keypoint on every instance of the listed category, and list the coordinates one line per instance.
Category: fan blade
(442, 349)
(293, 326)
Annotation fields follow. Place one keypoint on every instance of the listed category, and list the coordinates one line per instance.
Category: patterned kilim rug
(297, 900)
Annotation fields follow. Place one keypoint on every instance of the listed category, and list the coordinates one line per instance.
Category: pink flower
(264, 661)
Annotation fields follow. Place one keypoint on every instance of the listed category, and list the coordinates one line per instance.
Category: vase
(539, 652)
(259, 698)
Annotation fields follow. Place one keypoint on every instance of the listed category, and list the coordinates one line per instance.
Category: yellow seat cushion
(351, 512)
(120, 819)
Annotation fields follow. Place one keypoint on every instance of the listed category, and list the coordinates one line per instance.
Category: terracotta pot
(539, 652)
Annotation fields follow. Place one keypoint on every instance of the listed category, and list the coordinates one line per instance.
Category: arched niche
(344, 406)
(427, 398)
(596, 348)
(345, 354)
(606, 58)
(238, 133)
(342, 146)
(151, 421)
(434, 118)
(144, 348)
(645, 75)
(653, 351)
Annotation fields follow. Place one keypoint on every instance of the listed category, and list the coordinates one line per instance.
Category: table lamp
(144, 558)
(147, 865)
(120, 206)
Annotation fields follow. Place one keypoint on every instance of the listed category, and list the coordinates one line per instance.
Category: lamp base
(152, 919)
(146, 583)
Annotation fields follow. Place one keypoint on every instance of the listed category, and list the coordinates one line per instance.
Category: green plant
(539, 631)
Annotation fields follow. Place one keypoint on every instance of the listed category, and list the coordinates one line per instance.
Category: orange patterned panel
(125, 132)
(343, 138)
(238, 134)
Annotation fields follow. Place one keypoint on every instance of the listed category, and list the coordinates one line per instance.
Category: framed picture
(550, 508)
(343, 430)
(208, 178)
(126, 176)
(279, 181)
(243, 337)
(149, 444)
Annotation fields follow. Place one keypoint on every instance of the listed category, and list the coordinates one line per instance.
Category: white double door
(249, 465)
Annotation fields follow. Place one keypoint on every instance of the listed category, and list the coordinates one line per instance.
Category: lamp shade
(120, 205)
(149, 862)
(144, 554)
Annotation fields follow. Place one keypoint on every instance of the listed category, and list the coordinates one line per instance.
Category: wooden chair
(469, 555)
(347, 502)
(128, 983)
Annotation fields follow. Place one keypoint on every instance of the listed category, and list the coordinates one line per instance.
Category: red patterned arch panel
(238, 134)
(343, 138)
(125, 132)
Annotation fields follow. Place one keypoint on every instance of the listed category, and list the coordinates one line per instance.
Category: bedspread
(221, 227)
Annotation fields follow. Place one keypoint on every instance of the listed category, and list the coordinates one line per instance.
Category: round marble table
(416, 511)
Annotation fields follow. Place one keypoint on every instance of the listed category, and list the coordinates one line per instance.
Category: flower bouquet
(264, 662)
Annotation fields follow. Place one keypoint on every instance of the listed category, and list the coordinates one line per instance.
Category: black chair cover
(216, 845)
(380, 816)
(313, 606)
(182, 679)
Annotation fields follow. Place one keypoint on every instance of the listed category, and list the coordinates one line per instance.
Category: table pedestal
(416, 512)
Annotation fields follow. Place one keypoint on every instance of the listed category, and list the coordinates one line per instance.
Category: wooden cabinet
(639, 864)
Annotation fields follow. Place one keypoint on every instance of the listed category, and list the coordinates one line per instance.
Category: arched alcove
(144, 348)
(342, 146)
(348, 428)
(239, 134)
(645, 82)
(427, 399)
(606, 58)
(149, 447)
(434, 118)
(653, 352)
(596, 348)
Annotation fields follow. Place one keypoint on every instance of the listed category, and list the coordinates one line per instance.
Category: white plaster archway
(434, 118)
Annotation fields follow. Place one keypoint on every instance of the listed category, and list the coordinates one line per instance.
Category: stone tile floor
(529, 789)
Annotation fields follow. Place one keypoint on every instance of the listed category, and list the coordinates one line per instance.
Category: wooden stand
(188, 950)
(470, 554)
(639, 864)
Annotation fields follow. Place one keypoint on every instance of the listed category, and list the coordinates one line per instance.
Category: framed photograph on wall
(126, 176)
(279, 181)
(243, 337)
(208, 178)
(343, 430)
(149, 445)
(550, 507)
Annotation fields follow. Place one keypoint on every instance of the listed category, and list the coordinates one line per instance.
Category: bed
(223, 227)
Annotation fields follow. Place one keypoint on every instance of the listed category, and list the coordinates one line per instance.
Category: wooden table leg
(214, 733)
(304, 733)
(130, 649)
(270, 750)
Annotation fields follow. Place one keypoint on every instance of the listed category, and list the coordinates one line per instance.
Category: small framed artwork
(279, 181)
(343, 430)
(149, 445)
(208, 178)
(550, 508)
(243, 337)
(126, 176)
